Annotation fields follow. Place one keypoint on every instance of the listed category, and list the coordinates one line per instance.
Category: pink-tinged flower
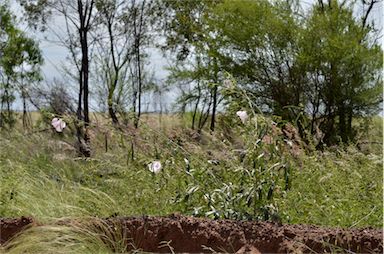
(227, 83)
(58, 124)
(243, 115)
(154, 167)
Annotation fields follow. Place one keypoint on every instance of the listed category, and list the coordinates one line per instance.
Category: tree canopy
(322, 63)
(20, 62)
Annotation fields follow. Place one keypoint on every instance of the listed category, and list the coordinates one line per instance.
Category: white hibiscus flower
(243, 115)
(58, 124)
(154, 167)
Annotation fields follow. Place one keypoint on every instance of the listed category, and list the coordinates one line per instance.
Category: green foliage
(20, 61)
(344, 67)
(245, 187)
(323, 60)
(196, 71)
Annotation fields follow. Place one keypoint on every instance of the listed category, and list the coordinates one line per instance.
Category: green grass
(336, 190)
(340, 187)
(35, 184)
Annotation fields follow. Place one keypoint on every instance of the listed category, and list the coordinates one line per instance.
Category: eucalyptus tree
(27, 61)
(140, 15)
(123, 38)
(7, 29)
(114, 52)
(344, 61)
(262, 57)
(190, 38)
(79, 19)
(20, 64)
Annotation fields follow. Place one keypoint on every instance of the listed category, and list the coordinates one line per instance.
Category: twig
(354, 224)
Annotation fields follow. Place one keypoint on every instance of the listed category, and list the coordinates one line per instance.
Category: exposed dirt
(194, 235)
(10, 227)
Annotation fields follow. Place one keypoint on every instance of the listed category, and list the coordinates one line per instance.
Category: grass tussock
(85, 235)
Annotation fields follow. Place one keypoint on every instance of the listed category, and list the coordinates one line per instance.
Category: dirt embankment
(194, 235)
(10, 227)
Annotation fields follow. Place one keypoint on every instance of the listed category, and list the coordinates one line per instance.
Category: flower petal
(243, 115)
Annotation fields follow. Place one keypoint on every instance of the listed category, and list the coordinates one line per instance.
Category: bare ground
(196, 235)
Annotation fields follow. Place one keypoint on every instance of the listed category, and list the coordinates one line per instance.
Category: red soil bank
(10, 227)
(194, 235)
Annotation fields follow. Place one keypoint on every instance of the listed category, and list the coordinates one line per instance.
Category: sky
(55, 56)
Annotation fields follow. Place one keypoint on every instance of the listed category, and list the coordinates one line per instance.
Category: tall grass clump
(88, 235)
(43, 197)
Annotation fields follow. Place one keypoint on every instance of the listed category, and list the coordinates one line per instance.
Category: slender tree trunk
(138, 31)
(134, 103)
(136, 93)
(200, 124)
(214, 105)
(8, 102)
(112, 88)
(25, 113)
(204, 116)
(137, 119)
(196, 106)
(85, 61)
(111, 110)
(80, 119)
(85, 13)
(80, 111)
